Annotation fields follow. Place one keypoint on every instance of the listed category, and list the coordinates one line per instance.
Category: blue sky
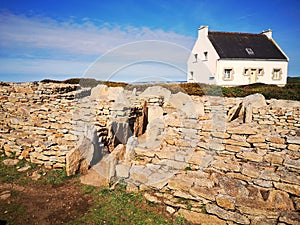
(59, 39)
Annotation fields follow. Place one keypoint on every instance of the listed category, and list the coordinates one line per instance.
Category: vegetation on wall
(291, 91)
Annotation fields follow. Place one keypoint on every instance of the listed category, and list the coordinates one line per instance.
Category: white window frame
(277, 74)
(231, 72)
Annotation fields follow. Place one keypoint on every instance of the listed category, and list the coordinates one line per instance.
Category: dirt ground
(42, 204)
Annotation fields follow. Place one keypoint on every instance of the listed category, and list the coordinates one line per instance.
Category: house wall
(202, 69)
(239, 78)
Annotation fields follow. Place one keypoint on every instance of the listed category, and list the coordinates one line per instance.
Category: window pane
(227, 73)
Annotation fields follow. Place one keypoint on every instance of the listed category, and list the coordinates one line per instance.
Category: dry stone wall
(213, 160)
(36, 122)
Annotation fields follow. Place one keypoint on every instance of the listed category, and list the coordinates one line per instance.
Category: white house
(230, 59)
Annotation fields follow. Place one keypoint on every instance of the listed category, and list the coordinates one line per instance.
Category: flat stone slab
(10, 162)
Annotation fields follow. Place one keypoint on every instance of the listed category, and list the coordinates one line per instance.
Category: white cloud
(78, 38)
(45, 46)
(141, 59)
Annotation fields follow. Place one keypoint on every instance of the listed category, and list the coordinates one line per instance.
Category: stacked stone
(36, 121)
(213, 102)
(285, 114)
(236, 173)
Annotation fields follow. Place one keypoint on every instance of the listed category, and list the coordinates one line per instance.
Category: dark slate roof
(233, 45)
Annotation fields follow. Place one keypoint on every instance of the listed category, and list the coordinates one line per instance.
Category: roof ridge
(242, 33)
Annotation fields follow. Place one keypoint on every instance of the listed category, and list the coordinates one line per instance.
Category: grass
(120, 207)
(11, 174)
(291, 91)
(56, 176)
(8, 173)
(106, 206)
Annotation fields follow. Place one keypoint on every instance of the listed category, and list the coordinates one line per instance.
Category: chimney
(268, 33)
(203, 30)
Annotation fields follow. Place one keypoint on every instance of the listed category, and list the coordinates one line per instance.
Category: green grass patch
(180, 220)
(55, 176)
(86, 189)
(10, 173)
(119, 207)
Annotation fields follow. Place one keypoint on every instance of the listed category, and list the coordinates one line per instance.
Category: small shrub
(189, 207)
(188, 168)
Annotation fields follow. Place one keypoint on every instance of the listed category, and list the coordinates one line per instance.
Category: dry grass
(290, 92)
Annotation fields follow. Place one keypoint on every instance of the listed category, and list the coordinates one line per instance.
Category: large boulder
(157, 91)
(102, 173)
(130, 146)
(256, 100)
(154, 112)
(113, 93)
(90, 147)
(120, 132)
(73, 159)
(88, 153)
(184, 103)
(235, 112)
(252, 101)
(99, 90)
(155, 130)
(103, 92)
(93, 178)
(243, 110)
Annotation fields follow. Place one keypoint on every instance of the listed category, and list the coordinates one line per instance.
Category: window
(192, 75)
(196, 57)
(249, 51)
(252, 71)
(211, 78)
(205, 55)
(277, 74)
(260, 72)
(228, 74)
